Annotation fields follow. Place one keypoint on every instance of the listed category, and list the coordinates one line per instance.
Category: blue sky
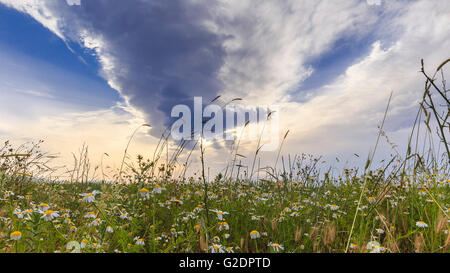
(333, 63)
(74, 73)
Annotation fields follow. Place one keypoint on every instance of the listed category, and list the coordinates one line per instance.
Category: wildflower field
(401, 213)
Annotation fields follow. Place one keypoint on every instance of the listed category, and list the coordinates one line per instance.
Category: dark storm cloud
(163, 54)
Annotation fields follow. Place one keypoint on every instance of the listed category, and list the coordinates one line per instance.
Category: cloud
(374, 2)
(272, 42)
(73, 2)
(160, 53)
(157, 55)
(39, 11)
(344, 115)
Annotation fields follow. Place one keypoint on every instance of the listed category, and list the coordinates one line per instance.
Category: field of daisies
(349, 213)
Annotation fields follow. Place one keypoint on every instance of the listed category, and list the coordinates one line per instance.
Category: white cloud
(39, 11)
(374, 2)
(73, 2)
(104, 131)
(344, 117)
(269, 45)
(272, 42)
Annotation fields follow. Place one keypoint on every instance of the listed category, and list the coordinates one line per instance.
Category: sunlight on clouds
(344, 117)
(272, 41)
(104, 131)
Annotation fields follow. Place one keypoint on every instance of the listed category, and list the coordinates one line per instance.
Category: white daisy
(276, 247)
(88, 197)
(220, 214)
(421, 224)
(144, 193)
(139, 241)
(216, 248)
(49, 215)
(16, 235)
(254, 234)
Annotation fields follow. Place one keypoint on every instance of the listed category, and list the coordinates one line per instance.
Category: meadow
(170, 216)
(400, 206)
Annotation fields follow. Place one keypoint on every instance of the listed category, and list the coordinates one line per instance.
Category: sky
(75, 72)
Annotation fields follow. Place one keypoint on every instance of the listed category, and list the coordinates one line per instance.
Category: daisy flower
(158, 189)
(139, 241)
(44, 206)
(220, 214)
(96, 222)
(144, 193)
(84, 243)
(16, 235)
(123, 215)
(18, 213)
(334, 207)
(254, 234)
(88, 197)
(229, 249)
(380, 231)
(372, 244)
(216, 248)
(27, 212)
(90, 214)
(173, 231)
(378, 249)
(109, 229)
(421, 224)
(197, 228)
(223, 225)
(49, 215)
(276, 247)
